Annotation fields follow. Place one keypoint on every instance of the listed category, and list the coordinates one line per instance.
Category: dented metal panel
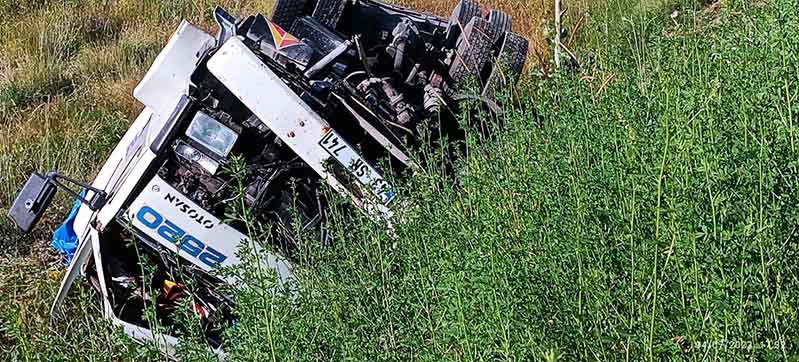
(169, 77)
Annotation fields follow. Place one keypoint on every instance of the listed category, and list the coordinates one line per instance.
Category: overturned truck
(321, 94)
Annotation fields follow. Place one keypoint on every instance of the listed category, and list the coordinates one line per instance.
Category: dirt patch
(713, 11)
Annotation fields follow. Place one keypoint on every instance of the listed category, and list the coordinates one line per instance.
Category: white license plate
(367, 175)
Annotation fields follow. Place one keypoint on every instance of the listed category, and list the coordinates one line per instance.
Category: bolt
(302, 124)
(291, 134)
(156, 188)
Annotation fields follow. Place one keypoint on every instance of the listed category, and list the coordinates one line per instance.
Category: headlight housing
(211, 134)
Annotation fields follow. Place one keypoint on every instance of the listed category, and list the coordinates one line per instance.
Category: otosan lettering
(190, 211)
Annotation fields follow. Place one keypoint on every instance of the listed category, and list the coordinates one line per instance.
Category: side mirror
(38, 193)
(31, 203)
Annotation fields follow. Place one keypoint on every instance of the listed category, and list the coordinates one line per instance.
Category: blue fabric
(64, 239)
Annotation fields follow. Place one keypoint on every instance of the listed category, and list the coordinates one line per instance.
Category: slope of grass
(649, 217)
(642, 207)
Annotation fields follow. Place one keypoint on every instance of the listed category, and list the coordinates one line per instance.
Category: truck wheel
(309, 29)
(286, 12)
(464, 12)
(501, 22)
(509, 64)
(473, 51)
(328, 12)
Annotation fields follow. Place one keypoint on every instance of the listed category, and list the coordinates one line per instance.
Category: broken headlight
(211, 134)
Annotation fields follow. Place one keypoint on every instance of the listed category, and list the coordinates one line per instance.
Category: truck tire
(464, 12)
(309, 29)
(509, 64)
(285, 12)
(501, 22)
(473, 52)
(329, 12)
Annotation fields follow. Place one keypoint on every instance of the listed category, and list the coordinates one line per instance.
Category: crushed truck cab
(308, 101)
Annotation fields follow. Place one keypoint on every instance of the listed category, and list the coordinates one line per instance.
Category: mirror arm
(95, 203)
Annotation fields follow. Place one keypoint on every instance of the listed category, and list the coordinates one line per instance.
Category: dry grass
(529, 17)
(647, 214)
(67, 71)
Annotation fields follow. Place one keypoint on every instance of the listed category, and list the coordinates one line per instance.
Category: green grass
(643, 207)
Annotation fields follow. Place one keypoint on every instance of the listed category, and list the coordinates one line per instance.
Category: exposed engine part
(402, 35)
(434, 94)
(367, 69)
(433, 99)
(373, 88)
(324, 62)
(413, 76)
